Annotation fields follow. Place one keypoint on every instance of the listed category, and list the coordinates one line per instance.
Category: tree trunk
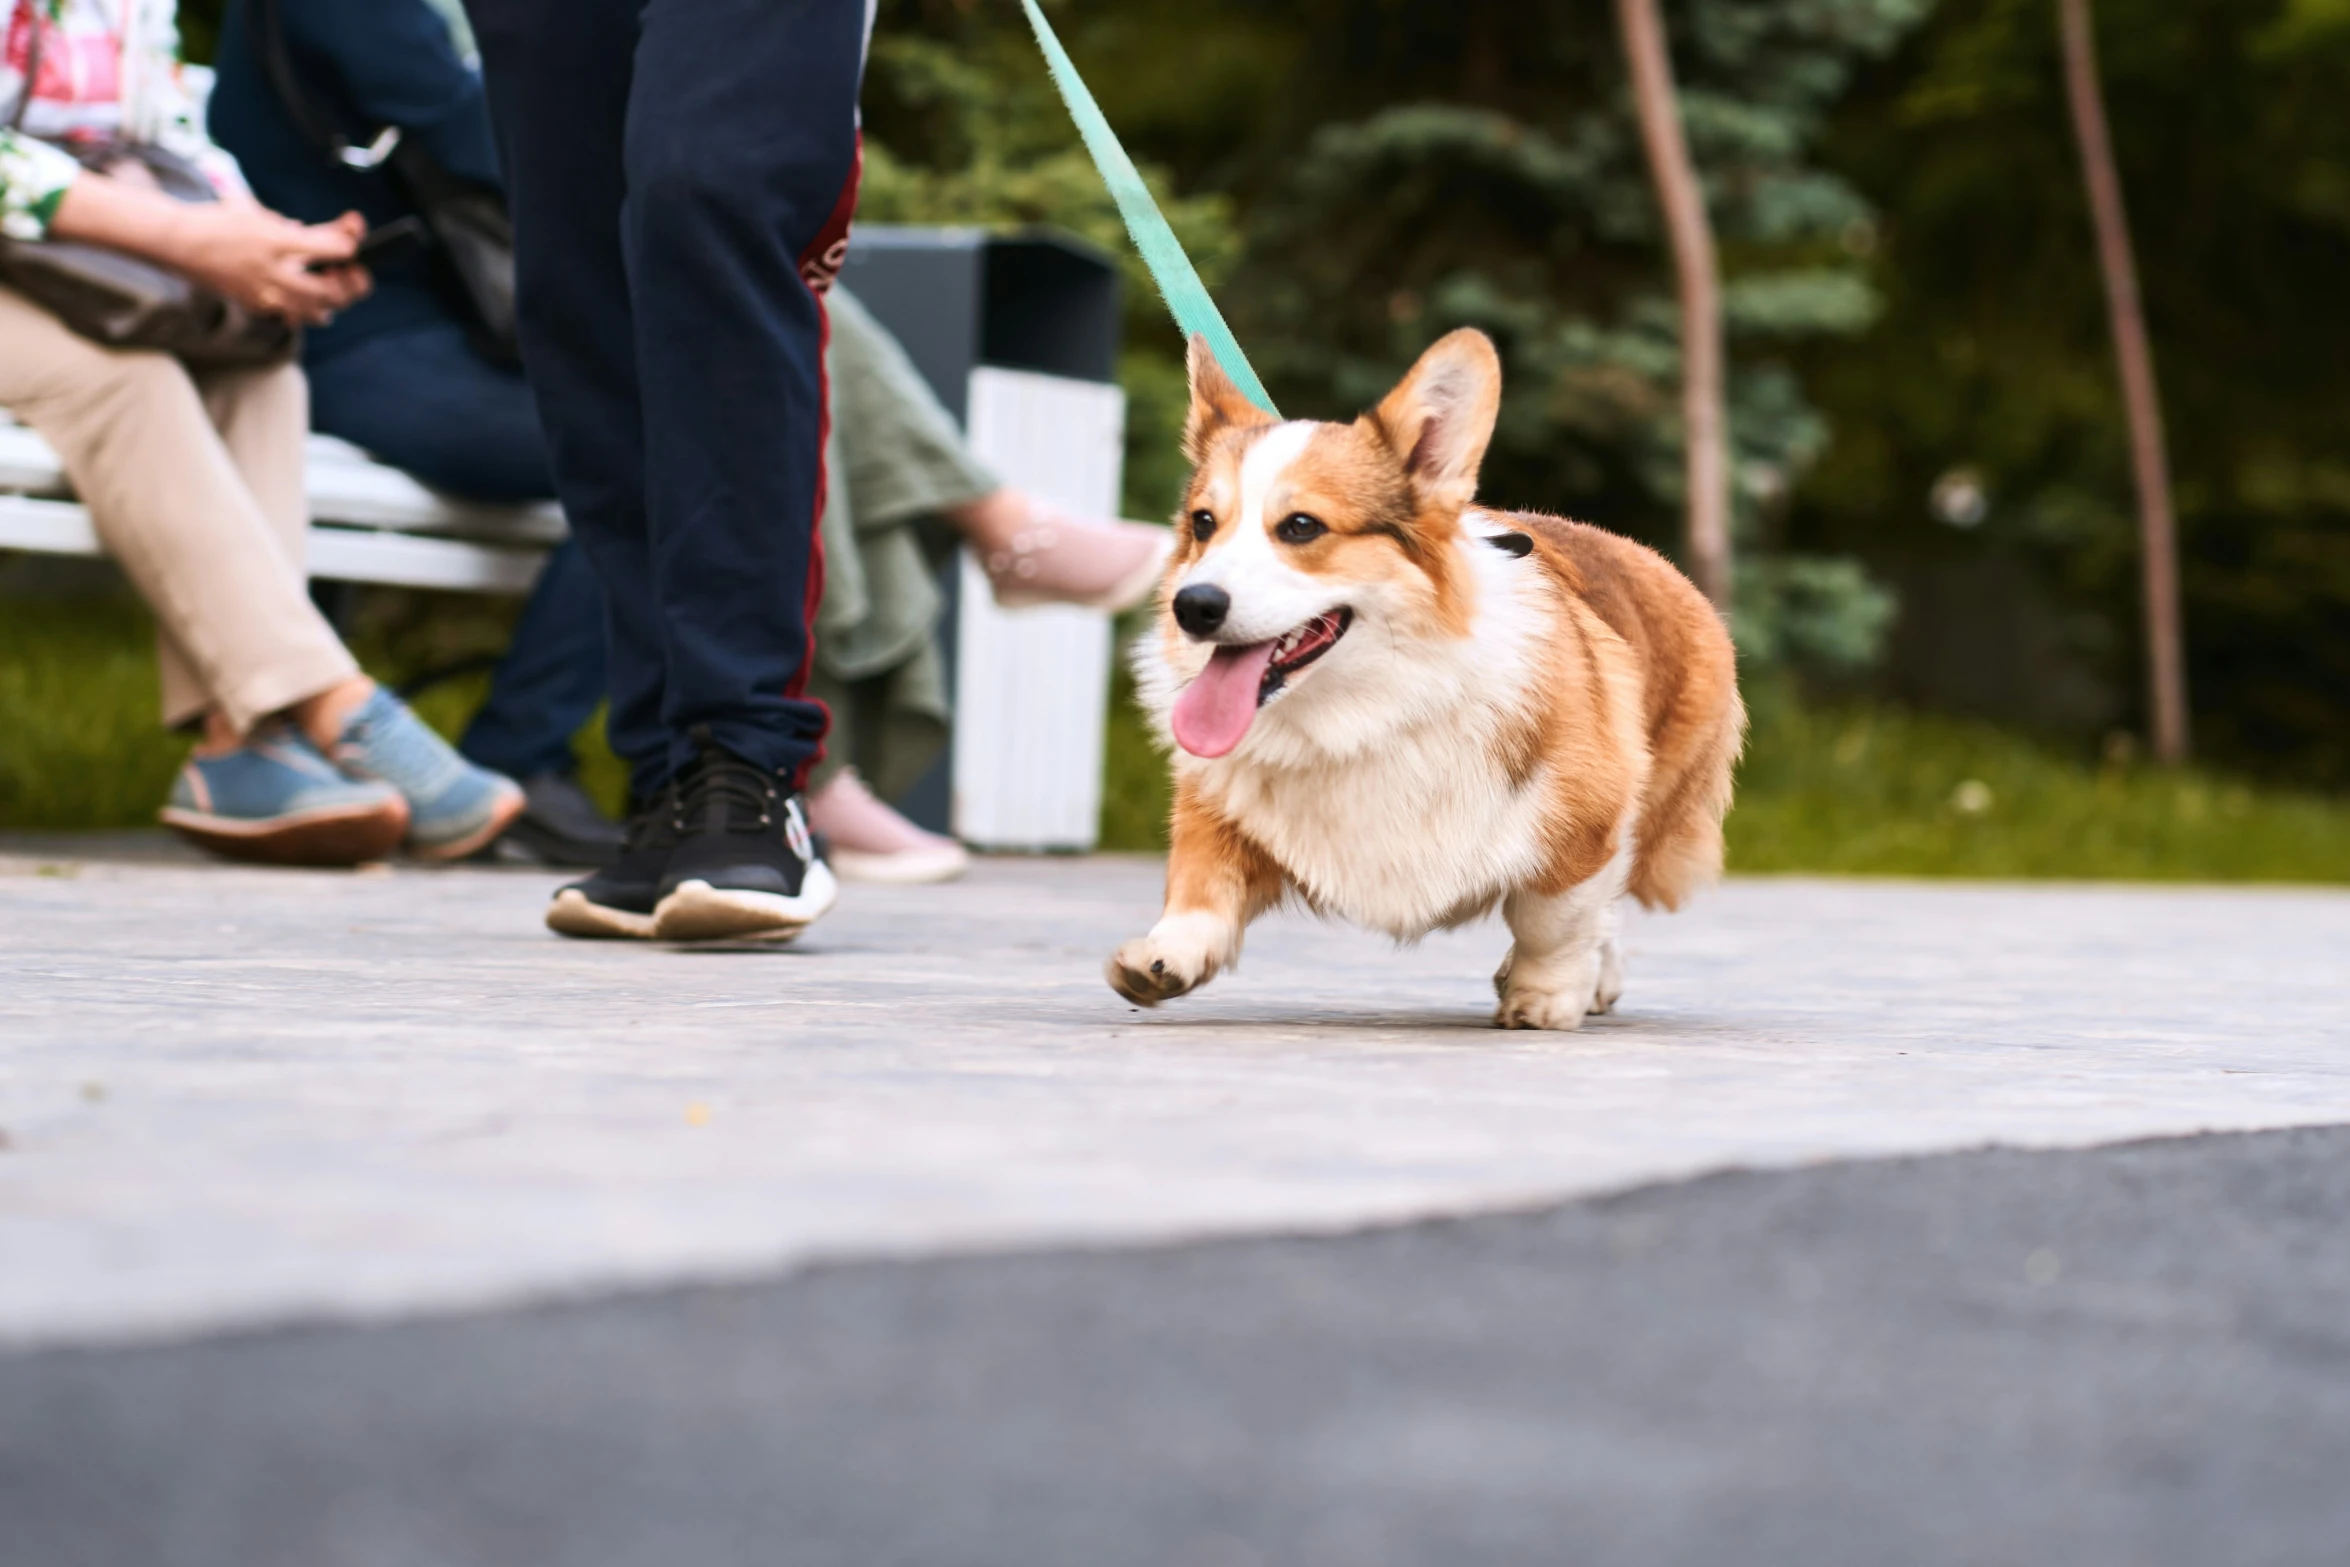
(2157, 530)
(1702, 413)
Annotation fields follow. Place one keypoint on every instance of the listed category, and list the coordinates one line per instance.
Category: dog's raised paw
(1144, 974)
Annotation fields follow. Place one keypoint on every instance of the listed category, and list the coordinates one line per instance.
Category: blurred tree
(1436, 163)
(199, 27)
(2150, 465)
(1696, 269)
(1400, 167)
(963, 126)
(1981, 458)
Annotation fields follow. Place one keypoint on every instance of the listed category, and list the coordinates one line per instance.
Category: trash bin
(1018, 335)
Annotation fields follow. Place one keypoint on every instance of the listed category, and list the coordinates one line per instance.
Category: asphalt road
(2136, 1355)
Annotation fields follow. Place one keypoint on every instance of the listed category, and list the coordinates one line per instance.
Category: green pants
(894, 462)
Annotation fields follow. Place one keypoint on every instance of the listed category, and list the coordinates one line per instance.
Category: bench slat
(46, 527)
(410, 561)
(344, 485)
(51, 527)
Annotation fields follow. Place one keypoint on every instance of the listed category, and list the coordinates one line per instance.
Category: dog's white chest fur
(1381, 785)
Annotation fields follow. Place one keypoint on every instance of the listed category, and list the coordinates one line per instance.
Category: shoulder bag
(472, 234)
(127, 301)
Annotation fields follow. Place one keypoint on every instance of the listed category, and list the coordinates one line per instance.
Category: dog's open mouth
(1300, 648)
(1215, 710)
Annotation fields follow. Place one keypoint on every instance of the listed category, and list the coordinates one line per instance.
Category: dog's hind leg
(1565, 963)
(1217, 881)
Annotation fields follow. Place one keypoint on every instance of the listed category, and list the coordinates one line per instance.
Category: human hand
(264, 261)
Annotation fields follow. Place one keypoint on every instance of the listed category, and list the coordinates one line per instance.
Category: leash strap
(1179, 283)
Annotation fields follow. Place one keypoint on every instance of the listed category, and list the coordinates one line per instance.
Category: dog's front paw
(1151, 969)
(1140, 972)
(1553, 991)
(1558, 990)
(1527, 1007)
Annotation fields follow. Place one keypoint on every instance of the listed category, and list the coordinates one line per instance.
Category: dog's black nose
(1201, 608)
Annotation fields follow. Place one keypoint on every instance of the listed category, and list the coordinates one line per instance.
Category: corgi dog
(1407, 711)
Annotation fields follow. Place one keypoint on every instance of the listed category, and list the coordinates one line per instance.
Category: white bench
(371, 523)
(1031, 686)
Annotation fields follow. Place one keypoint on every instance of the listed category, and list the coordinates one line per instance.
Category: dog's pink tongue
(1215, 710)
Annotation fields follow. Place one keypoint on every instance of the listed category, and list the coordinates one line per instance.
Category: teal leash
(1179, 284)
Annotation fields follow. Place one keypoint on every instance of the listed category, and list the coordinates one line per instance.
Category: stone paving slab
(238, 1096)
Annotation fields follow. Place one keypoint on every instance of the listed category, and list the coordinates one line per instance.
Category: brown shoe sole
(513, 805)
(351, 836)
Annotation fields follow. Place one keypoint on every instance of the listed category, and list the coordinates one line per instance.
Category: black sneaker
(745, 867)
(618, 900)
(559, 825)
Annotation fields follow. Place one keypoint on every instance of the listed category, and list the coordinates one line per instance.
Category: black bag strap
(35, 36)
(277, 63)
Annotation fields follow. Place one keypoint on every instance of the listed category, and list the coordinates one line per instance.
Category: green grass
(1879, 791)
(81, 742)
(80, 739)
(1855, 789)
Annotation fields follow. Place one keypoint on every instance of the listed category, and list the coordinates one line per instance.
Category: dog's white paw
(1182, 953)
(1558, 993)
(1526, 1007)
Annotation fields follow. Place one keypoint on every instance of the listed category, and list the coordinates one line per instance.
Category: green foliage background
(1366, 176)
(1911, 286)
(1992, 354)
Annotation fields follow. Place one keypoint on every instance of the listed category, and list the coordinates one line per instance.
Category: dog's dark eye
(1298, 528)
(1203, 523)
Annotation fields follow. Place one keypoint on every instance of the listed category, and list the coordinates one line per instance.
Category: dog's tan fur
(1577, 712)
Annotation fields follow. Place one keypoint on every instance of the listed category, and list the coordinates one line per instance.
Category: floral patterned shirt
(110, 70)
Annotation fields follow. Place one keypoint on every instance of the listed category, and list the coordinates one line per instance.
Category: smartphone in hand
(386, 242)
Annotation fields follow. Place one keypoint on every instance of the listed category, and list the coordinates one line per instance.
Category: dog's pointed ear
(1216, 404)
(1439, 419)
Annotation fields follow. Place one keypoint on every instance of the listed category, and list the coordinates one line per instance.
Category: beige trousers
(194, 484)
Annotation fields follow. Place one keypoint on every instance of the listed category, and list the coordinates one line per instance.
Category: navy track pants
(682, 173)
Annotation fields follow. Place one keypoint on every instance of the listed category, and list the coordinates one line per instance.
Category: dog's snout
(1200, 608)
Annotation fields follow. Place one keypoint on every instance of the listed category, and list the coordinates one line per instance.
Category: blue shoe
(277, 800)
(454, 807)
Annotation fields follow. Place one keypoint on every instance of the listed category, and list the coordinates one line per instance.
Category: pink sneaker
(1060, 559)
(869, 842)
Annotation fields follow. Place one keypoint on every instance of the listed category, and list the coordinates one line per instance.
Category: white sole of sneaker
(697, 911)
(571, 914)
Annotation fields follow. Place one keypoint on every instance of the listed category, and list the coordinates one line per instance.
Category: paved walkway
(232, 1097)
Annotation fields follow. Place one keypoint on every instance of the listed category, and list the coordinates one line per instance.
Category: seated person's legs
(418, 397)
(899, 469)
(904, 457)
(421, 399)
(198, 495)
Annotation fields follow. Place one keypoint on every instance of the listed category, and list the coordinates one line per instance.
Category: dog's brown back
(1694, 720)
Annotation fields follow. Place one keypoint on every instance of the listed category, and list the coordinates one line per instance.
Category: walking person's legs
(730, 125)
(558, 73)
